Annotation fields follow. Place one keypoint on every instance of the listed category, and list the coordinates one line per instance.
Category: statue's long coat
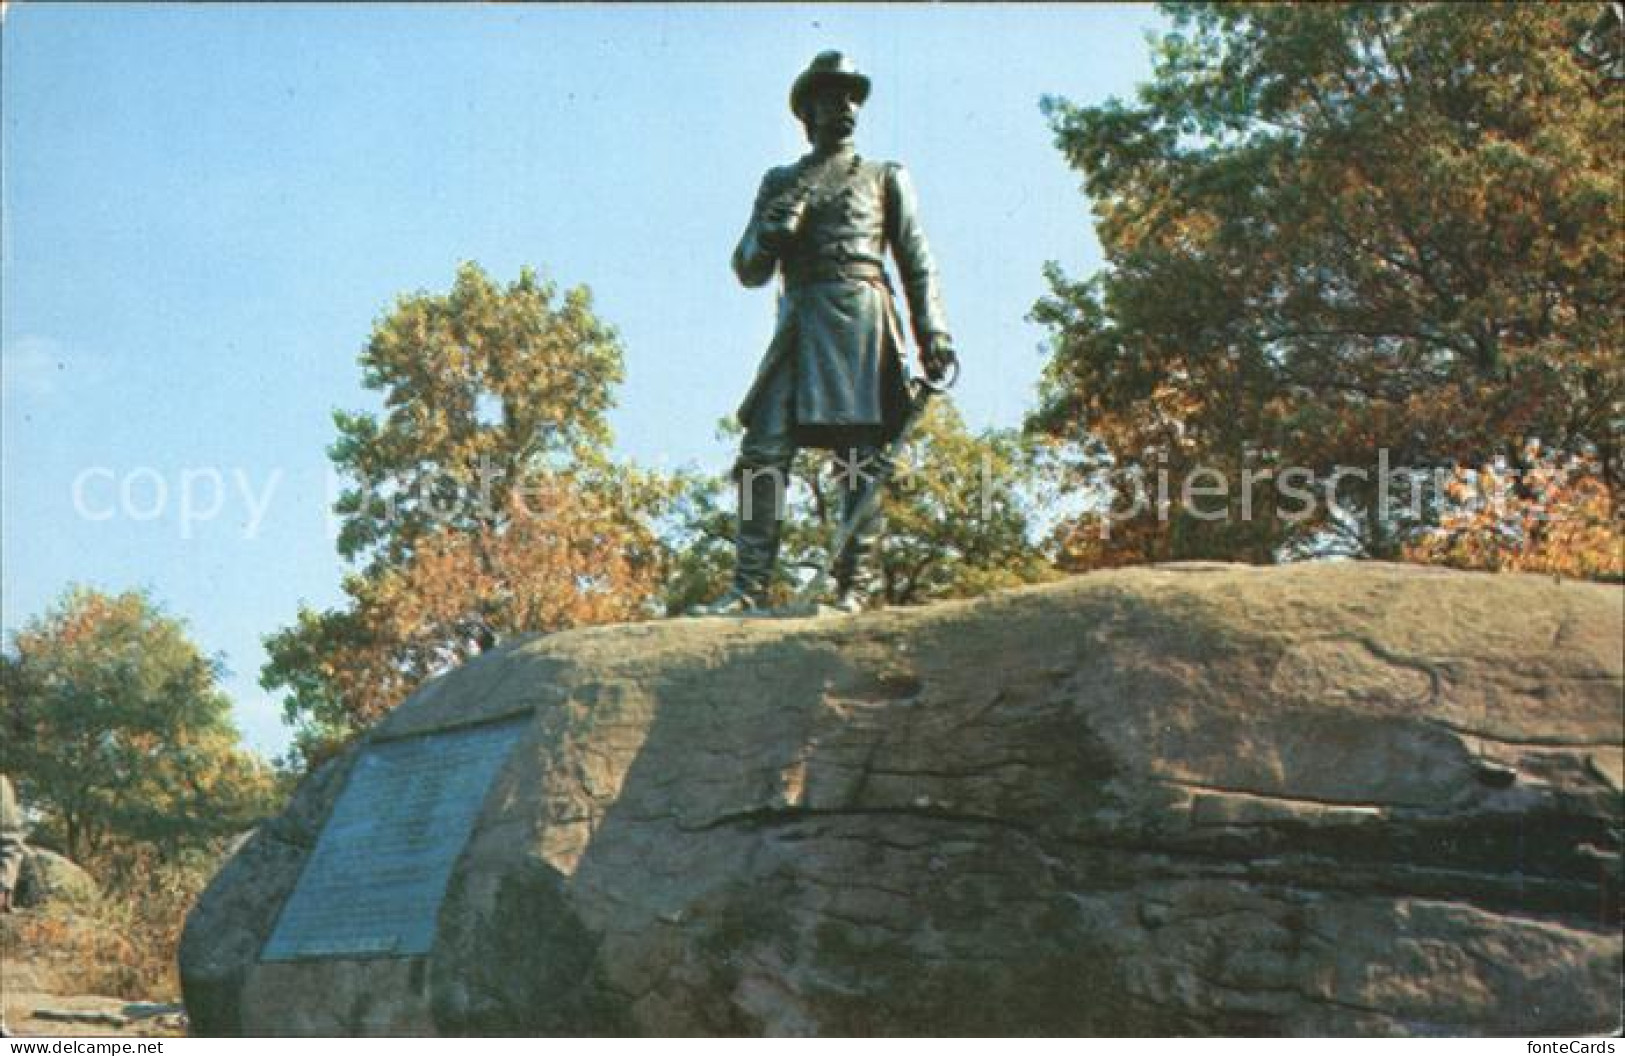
(837, 326)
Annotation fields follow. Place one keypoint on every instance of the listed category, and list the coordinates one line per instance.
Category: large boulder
(1317, 799)
(47, 877)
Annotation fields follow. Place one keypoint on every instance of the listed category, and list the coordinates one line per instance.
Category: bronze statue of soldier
(833, 376)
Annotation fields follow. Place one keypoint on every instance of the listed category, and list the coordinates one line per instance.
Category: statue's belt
(812, 273)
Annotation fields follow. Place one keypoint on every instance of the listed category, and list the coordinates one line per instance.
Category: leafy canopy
(484, 388)
(481, 503)
(118, 733)
(1333, 229)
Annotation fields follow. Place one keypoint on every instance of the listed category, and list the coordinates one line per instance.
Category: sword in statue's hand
(922, 390)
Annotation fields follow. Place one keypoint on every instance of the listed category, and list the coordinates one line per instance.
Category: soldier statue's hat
(828, 66)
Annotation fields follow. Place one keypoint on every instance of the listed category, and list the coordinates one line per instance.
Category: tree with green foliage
(484, 389)
(118, 734)
(962, 517)
(482, 502)
(1333, 230)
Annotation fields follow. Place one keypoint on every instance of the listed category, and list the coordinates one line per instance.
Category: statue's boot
(734, 602)
(853, 580)
(756, 544)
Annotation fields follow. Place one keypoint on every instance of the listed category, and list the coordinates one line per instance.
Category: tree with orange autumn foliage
(1548, 514)
(481, 504)
(1337, 234)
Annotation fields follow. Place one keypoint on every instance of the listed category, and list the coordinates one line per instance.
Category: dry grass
(123, 945)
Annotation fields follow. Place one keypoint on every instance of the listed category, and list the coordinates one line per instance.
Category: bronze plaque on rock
(373, 884)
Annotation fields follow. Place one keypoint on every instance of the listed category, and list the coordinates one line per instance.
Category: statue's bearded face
(831, 113)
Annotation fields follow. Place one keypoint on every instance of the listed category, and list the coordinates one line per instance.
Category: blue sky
(207, 207)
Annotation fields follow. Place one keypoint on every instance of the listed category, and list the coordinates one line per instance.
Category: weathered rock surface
(48, 877)
(1319, 799)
